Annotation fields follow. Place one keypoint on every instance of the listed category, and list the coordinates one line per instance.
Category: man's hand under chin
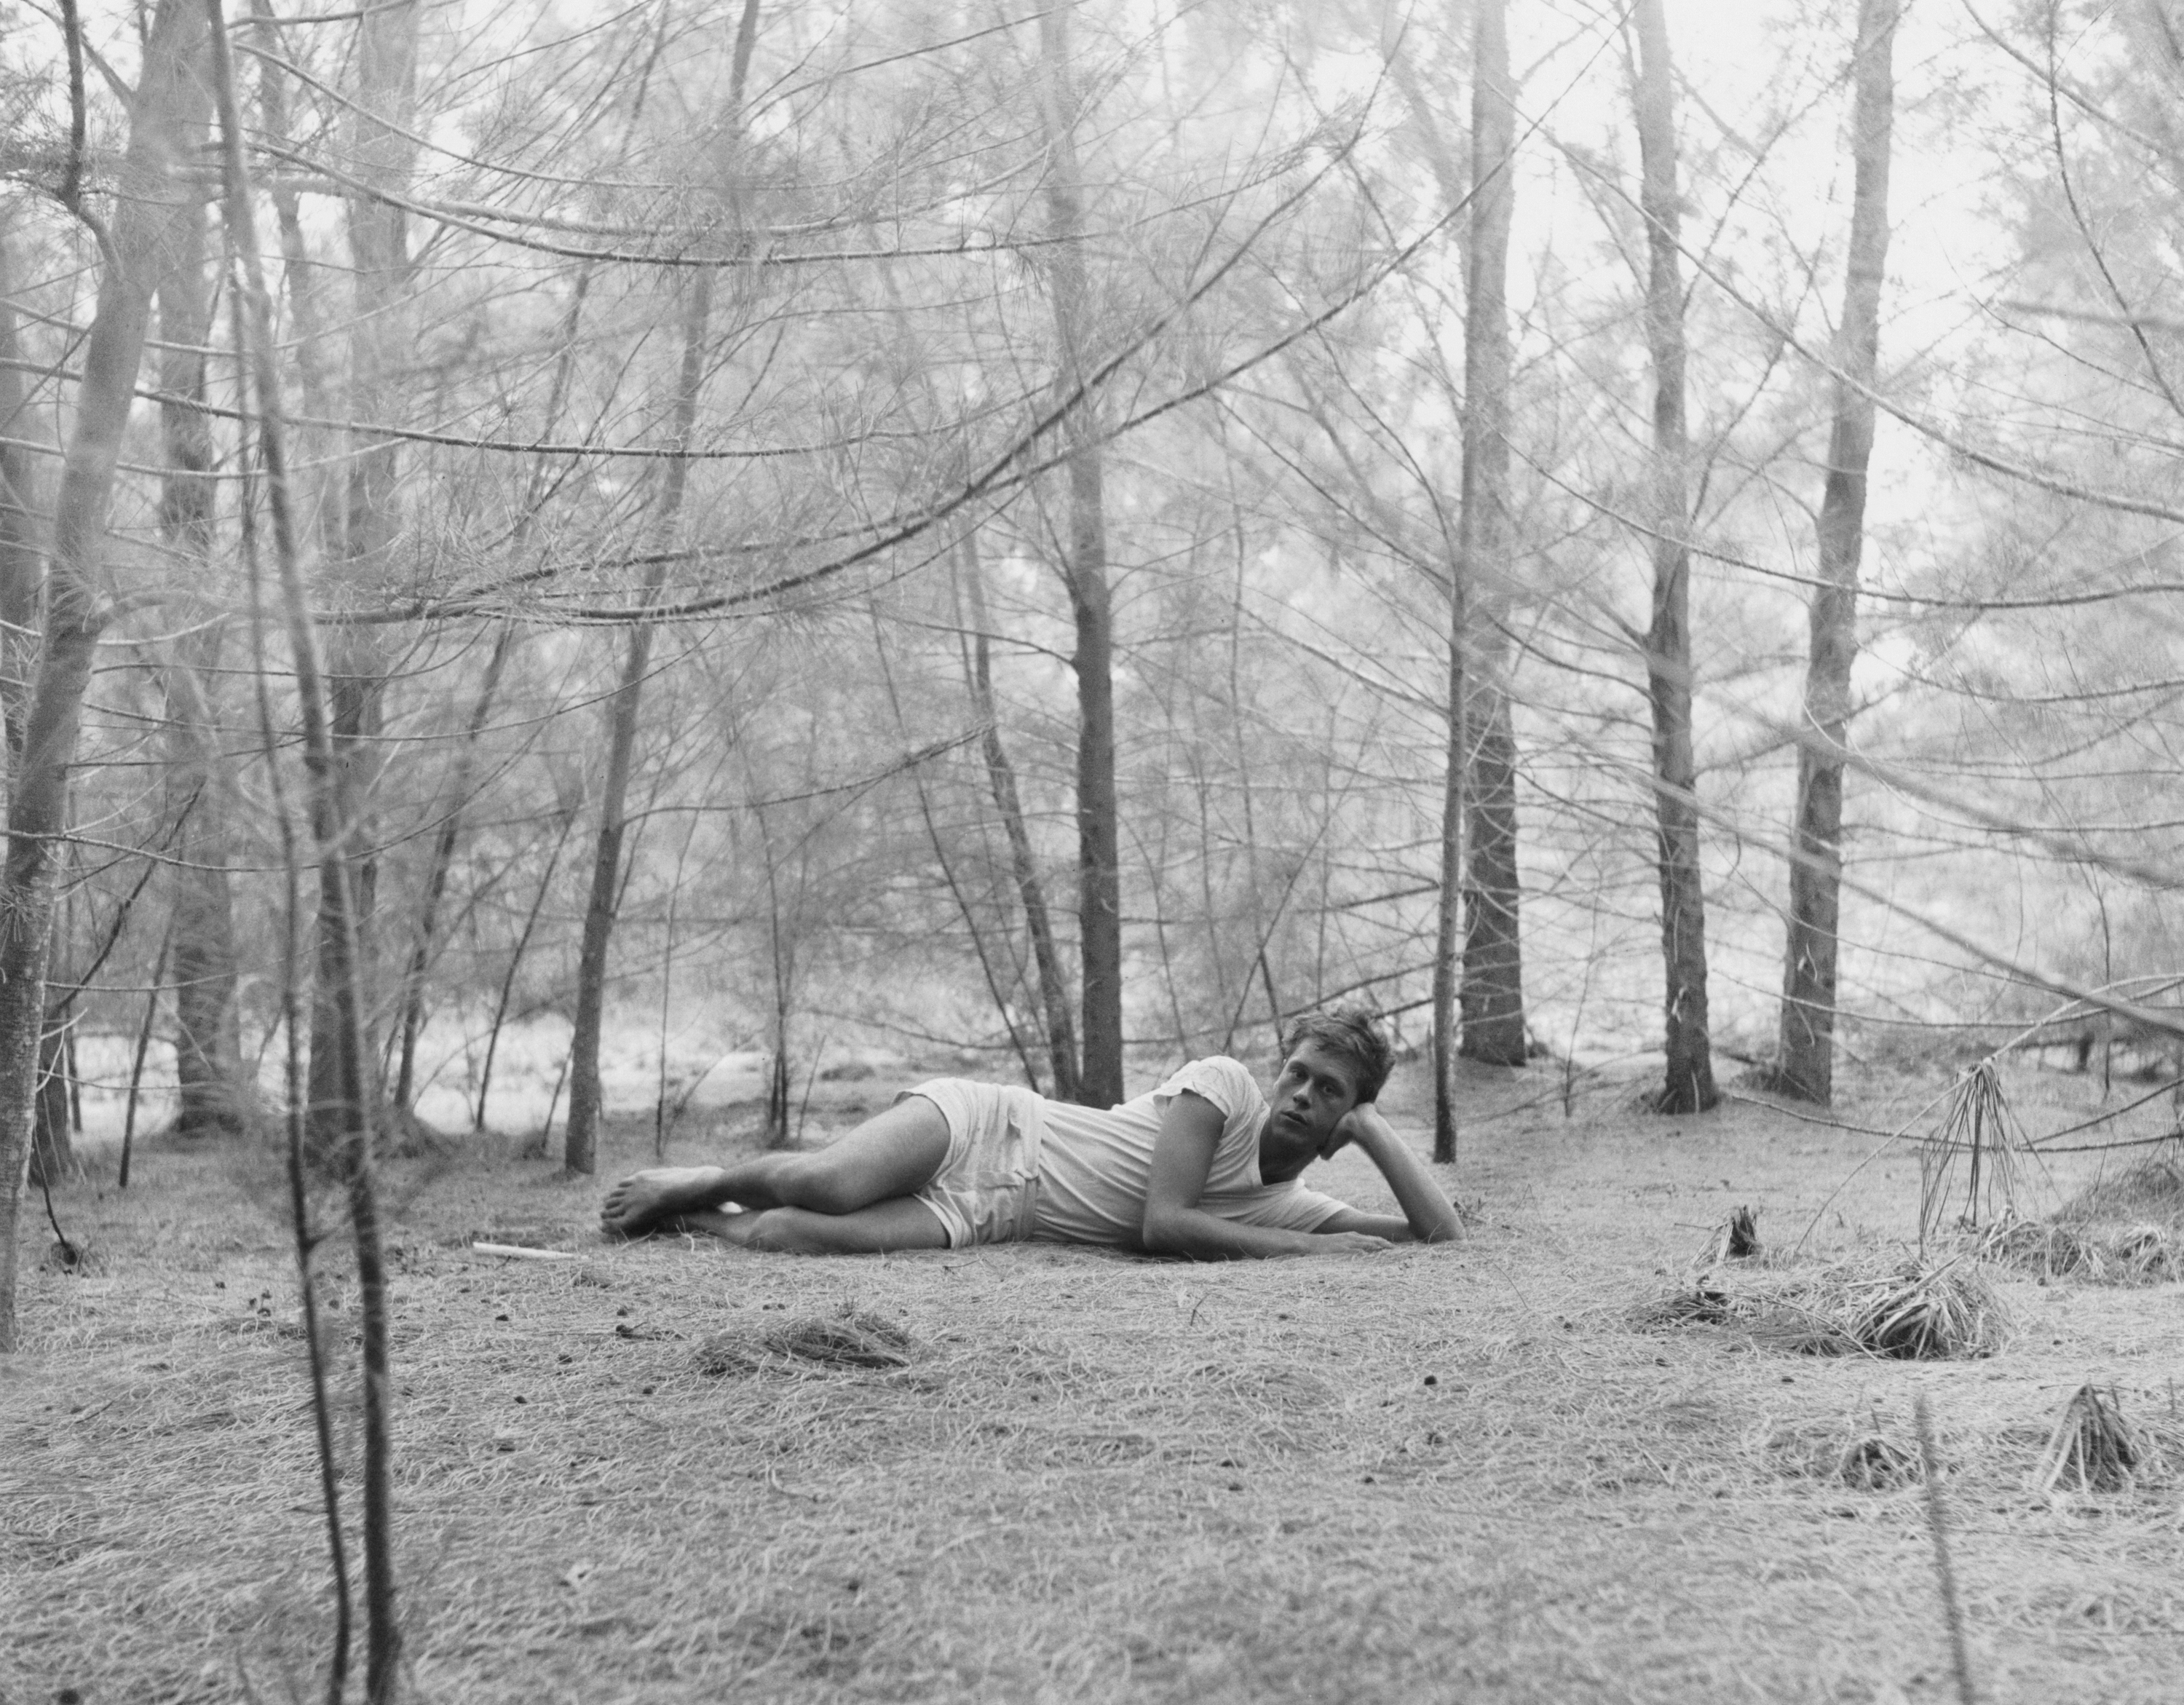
(1431, 1217)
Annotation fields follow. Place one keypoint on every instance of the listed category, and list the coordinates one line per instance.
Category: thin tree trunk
(1483, 746)
(307, 445)
(1805, 1063)
(1688, 1087)
(381, 153)
(207, 1054)
(504, 644)
(52, 1152)
(337, 951)
(586, 1101)
(1084, 567)
(153, 203)
(444, 845)
(1001, 778)
(1492, 998)
(137, 1060)
(21, 569)
(515, 963)
(994, 983)
(53, 1146)
(1483, 524)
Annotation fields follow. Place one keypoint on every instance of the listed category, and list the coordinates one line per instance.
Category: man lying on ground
(1203, 1166)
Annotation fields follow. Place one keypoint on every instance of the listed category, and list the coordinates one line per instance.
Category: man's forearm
(1431, 1217)
(1198, 1235)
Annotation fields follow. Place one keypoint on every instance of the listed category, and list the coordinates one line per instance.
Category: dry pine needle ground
(669, 1472)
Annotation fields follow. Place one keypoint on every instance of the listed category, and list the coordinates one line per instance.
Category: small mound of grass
(2152, 1192)
(1875, 1463)
(2148, 1254)
(1922, 1311)
(2091, 1445)
(851, 1338)
(2064, 1247)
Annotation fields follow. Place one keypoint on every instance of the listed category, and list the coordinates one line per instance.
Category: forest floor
(1445, 1474)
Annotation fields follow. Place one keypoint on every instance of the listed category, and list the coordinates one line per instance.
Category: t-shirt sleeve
(1226, 1083)
(1291, 1209)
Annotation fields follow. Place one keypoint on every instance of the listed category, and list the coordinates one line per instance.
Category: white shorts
(987, 1189)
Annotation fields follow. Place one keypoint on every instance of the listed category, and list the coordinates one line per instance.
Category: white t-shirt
(1096, 1164)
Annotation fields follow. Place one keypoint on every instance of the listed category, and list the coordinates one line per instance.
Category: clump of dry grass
(2152, 1192)
(853, 1337)
(1734, 1238)
(2049, 1248)
(2091, 1444)
(1926, 1312)
(2128, 1230)
(1875, 1463)
(1978, 1132)
(1698, 1304)
(2148, 1254)
(1921, 1312)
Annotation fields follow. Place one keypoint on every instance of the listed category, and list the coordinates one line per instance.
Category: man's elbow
(1165, 1231)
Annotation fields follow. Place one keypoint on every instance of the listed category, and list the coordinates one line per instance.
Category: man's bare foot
(646, 1201)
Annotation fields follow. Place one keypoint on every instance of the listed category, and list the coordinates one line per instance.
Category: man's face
(1315, 1089)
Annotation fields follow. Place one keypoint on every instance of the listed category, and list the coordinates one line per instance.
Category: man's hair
(1354, 1034)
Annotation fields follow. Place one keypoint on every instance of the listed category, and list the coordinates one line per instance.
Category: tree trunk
(581, 1137)
(307, 445)
(208, 1058)
(1493, 994)
(1483, 561)
(1688, 1087)
(154, 204)
(51, 1153)
(504, 645)
(1001, 778)
(381, 152)
(1804, 1066)
(587, 1097)
(348, 1117)
(53, 1133)
(21, 570)
(444, 845)
(1084, 568)
(1449, 923)
(1491, 999)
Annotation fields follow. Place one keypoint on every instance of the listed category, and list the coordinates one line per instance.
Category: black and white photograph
(1091, 852)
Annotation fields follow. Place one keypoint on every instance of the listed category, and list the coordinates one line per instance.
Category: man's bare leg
(892, 1155)
(902, 1223)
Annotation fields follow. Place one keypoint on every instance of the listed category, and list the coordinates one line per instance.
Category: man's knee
(786, 1231)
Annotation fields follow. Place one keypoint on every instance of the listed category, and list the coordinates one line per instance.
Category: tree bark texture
(1001, 778)
(207, 1059)
(587, 1100)
(153, 204)
(1491, 999)
(1084, 569)
(1804, 1065)
(1688, 1086)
